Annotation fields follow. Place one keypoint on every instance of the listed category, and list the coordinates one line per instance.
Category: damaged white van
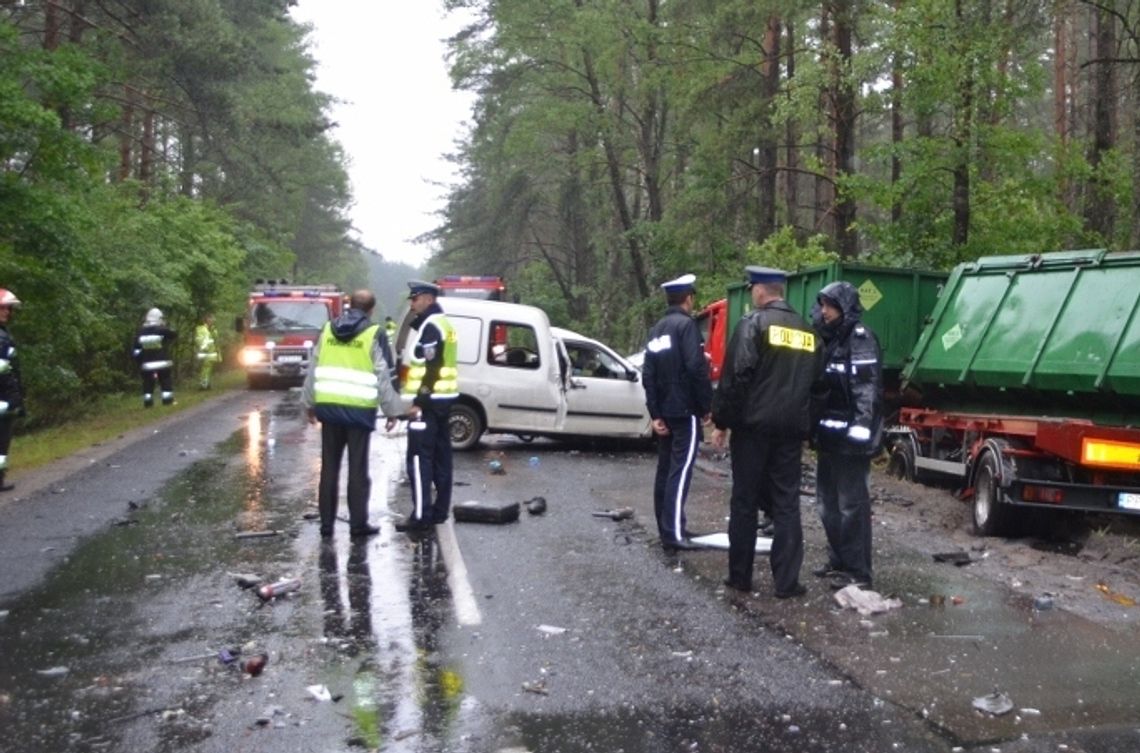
(518, 375)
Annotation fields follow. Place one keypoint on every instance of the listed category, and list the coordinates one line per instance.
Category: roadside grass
(107, 419)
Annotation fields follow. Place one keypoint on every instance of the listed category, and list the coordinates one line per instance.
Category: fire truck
(281, 327)
(484, 287)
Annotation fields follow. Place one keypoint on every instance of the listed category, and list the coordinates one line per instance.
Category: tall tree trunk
(791, 135)
(1100, 213)
(844, 115)
(824, 184)
(767, 155)
(652, 134)
(126, 133)
(146, 153)
(1060, 71)
(897, 130)
(1135, 235)
(52, 22)
(963, 139)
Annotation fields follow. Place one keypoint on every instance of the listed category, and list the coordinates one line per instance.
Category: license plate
(1128, 501)
(290, 359)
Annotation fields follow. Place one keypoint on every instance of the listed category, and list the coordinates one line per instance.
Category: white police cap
(683, 284)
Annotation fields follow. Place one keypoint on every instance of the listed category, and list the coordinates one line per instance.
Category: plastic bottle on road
(284, 586)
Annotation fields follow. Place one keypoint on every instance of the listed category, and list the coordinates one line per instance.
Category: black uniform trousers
(842, 489)
(429, 463)
(765, 475)
(676, 454)
(5, 443)
(164, 378)
(335, 438)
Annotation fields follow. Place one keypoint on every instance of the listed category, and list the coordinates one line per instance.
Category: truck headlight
(251, 356)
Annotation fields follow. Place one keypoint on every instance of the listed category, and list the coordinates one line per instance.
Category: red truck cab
(281, 328)
(713, 322)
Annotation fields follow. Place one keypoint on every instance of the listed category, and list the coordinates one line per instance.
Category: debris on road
(474, 511)
(320, 693)
(496, 468)
(255, 664)
(53, 671)
(284, 586)
(621, 513)
(551, 629)
(257, 534)
(246, 580)
(1043, 603)
(958, 558)
(536, 505)
(538, 687)
(865, 602)
(225, 656)
(1119, 598)
(995, 703)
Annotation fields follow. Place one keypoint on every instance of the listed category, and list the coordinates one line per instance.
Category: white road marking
(466, 608)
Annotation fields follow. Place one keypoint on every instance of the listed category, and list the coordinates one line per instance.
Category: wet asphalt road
(561, 632)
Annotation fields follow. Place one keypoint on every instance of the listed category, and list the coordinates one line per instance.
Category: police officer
(432, 384)
(343, 391)
(151, 351)
(847, 433)
(763, 398)
(11, 388)
(678, 394)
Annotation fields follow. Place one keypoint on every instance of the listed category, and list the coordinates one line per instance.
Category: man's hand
(718, 438)
(391, 424)
(660, 428)
(312, 414)
(414, 412)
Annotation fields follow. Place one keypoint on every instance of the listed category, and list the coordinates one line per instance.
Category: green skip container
(1045, 334)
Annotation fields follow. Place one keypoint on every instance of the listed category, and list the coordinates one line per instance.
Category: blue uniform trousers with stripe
(676, 454)
(429, 463)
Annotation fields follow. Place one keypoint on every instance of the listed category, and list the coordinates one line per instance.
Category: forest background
(168, 152)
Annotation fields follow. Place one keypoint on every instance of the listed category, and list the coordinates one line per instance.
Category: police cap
(419, 287)
(765, 275)
(683, 284)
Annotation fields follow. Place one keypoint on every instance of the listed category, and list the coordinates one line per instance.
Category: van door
(517, 380)
(605, 398)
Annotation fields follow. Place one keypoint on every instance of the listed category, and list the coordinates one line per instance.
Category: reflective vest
(344, 374)
(204, 341)
(447, 385)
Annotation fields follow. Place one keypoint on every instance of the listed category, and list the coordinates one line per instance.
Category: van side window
(513, 345)
(588, 361)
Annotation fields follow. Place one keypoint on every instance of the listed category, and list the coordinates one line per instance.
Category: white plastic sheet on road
(720, 541)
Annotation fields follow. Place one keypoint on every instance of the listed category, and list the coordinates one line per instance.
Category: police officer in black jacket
(678, 394)
(763, 397)
(847, 433)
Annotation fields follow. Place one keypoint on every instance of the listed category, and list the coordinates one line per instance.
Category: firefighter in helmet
(151, 351)
(11, 389)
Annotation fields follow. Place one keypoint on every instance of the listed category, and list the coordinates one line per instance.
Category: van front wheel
(464, 426)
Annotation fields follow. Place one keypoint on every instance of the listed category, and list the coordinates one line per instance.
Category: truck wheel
(901, 463)
(991, 512)
(464, 426)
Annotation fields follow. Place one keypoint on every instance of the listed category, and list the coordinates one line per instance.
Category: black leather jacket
(676, 372)
(849, 418)
(772, 361)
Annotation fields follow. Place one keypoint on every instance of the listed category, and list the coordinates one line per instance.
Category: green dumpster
(1036, 333)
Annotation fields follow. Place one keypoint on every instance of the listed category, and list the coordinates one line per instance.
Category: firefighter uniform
(763, 397)
(151, 351)
(678, 395)
(11, 388)
(344, 390)
(431, 384)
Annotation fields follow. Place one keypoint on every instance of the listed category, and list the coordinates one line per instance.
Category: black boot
(5, 486)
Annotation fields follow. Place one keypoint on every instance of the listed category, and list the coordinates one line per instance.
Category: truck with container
(1026, 382)
(280, 329)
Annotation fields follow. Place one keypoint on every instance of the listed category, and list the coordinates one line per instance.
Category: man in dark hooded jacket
(847, 432)
(348, 383)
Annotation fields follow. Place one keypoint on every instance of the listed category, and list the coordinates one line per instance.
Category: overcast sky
(397, 115)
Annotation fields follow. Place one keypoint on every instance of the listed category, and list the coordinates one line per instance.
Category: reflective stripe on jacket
(447, 382)
(344, 373)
